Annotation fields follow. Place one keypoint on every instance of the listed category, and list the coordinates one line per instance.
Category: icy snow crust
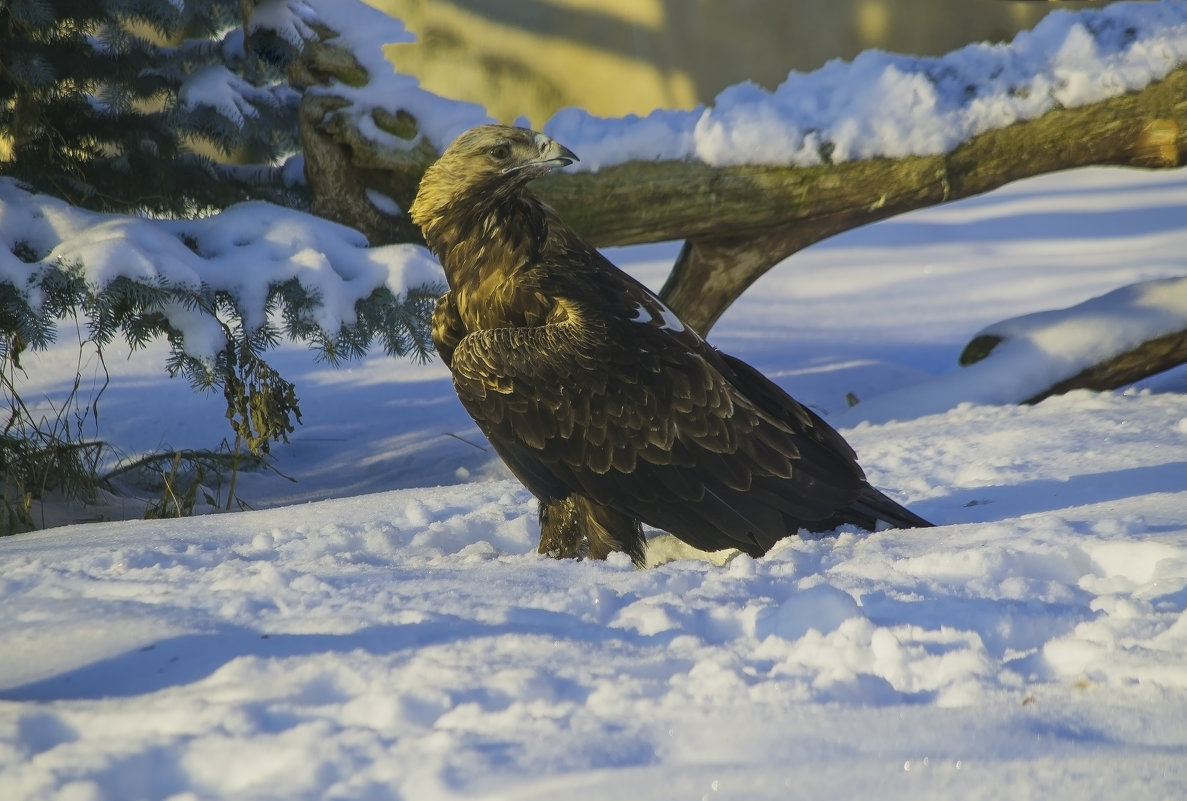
(409, 643)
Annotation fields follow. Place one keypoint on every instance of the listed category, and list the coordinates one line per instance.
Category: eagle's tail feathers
(874, 508)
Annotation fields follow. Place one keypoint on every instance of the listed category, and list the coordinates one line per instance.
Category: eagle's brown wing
(636, 420)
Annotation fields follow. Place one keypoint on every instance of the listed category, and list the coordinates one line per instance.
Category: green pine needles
(137, 139)
(133, 105)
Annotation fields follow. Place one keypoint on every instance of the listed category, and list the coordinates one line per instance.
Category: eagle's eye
(500, 151)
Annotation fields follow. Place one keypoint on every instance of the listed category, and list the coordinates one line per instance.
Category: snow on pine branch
(883, 104)
(291, 20)
(229, 94)
(245, 251)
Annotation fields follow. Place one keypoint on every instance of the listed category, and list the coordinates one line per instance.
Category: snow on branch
(249, 256)
(1132, 332)
(883, 104)
(1140, 327)
(380, 129)
(289, 19)
(229, 94)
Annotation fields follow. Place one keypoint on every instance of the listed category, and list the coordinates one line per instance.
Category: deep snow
(411, 644)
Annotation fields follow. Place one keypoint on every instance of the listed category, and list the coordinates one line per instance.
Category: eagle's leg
(576, 526)
(561, 534)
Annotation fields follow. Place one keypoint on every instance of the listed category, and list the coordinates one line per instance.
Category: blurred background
(529, 58)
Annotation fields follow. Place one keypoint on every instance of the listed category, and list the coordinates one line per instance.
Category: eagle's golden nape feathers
(608, 408)
(494, 158)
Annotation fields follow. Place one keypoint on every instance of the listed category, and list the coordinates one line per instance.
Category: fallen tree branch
(1104, 343)
(1152, 357)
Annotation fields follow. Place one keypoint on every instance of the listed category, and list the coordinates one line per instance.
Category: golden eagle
(598, 398)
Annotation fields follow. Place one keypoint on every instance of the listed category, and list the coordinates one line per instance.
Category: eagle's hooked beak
(550, 155)
(554, 154)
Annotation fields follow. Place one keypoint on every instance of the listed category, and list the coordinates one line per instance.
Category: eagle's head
(504, 152)
(484, 165)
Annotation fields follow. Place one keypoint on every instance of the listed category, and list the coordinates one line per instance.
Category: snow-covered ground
(401, 639)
